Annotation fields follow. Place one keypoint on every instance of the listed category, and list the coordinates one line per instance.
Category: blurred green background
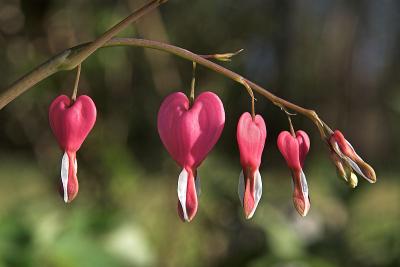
(338, 57)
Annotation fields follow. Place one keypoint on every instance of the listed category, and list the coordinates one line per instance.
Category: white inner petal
(197, 185)
(75, 167)
(64, 175)
(304, 186)
(182, 189)
(350, 145)
(355, 153)
(257, 192)
(241, 187)
(357, 169)
(337, 149)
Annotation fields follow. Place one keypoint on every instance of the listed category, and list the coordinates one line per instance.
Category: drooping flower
(294, 150)
(71, 122)
(189, 134)
(344, 170)
(251, 135)
(349, 158)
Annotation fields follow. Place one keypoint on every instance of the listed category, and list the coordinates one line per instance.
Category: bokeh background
(338, 57)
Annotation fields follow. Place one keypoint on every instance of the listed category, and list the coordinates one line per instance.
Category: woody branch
(72, 57)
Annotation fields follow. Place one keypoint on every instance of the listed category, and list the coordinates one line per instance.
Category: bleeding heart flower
(294, 150)
(349, 157)
(188, 134)
(71, 123)
(251, 135)
(344, 170)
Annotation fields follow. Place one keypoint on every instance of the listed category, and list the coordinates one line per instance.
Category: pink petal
(250, 191)
(289, 148)
(72, 123)
(301, 198)
(190, 134)
(187, 195)
(344, 145)
(69, 185)
(251, 137)
(304, 145)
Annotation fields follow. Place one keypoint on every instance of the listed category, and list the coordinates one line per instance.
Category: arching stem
(289, 117)
(70, 58)
(192, 85)
(291, 125)
(250, 91)
(60, 62)
(76, 84)
(56, 64)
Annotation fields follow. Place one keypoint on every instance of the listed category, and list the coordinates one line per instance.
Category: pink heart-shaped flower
(188, 135)
(294, 150)
(71, 123)
(251, 135)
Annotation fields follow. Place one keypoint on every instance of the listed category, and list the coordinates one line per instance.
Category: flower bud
(349, 157)
(353, 180)
(344, 170)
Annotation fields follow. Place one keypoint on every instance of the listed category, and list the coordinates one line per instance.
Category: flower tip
(249, 206)
(68, 195)
(250, 192)
(370, 173)
(71, 195)
(353, 180)
(248, 216)
(301, 206)
(187, 195)
(189, 216)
